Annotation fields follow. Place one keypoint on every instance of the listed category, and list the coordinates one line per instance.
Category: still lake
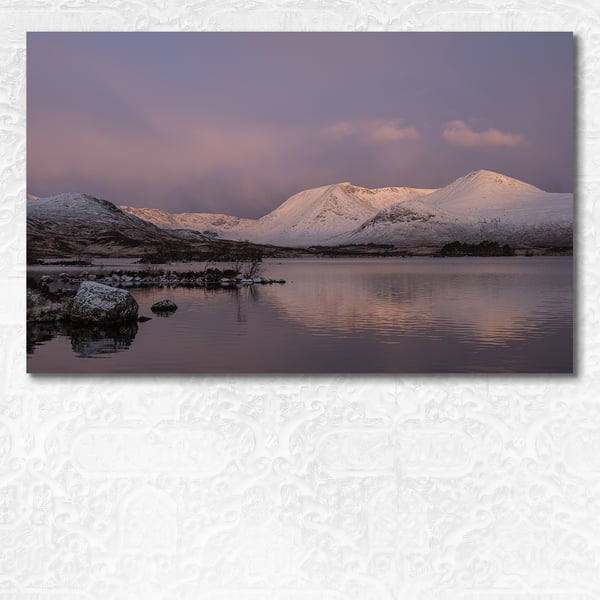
(365, 315)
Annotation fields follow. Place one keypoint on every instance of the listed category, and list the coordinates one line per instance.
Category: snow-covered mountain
(72, 223)
(314, 216)
(208, 223)
(480, 205)
(307, 218)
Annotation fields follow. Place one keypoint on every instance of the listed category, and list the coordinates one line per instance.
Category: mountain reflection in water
(466, 315)
(492, 307)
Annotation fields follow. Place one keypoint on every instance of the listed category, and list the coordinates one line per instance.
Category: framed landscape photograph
(300, 202)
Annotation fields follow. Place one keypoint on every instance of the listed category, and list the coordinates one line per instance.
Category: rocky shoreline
(162, 278)
(89, 298)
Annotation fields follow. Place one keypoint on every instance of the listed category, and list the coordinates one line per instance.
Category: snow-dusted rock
(164, 306)
(98, 303)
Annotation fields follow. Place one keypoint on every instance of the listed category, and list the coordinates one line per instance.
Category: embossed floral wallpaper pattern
(304, 487)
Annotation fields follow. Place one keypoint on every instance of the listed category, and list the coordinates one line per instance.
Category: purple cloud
(237, 122)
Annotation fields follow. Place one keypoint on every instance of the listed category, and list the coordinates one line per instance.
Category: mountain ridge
(480, 205)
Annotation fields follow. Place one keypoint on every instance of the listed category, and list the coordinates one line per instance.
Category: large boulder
(98, 303)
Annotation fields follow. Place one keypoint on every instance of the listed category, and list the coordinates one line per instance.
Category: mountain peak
(485, 177)
(71, 201)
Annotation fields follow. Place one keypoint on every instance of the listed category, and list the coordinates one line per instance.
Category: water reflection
(163, 314)
(38, 333)
(86, 342)
(92, 341)
(491, 305)
(338, 316)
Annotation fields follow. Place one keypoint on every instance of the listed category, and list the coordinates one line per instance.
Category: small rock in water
(144, 319)
(164, 306)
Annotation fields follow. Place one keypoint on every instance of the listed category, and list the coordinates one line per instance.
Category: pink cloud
(461, 134)
(189, 156)
(373, 131)
(393, 132)
(340, 129)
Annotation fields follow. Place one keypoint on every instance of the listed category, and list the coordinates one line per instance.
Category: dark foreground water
(418, 315)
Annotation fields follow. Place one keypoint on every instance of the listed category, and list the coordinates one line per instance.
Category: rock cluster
(212, 278)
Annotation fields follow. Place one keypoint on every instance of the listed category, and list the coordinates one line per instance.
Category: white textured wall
(298, 487)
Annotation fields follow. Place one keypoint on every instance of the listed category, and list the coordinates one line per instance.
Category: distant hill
(75, 224)
(482, 205)
(208, 223)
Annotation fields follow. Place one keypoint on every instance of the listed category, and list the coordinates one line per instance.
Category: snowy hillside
(72, 222)
(480, 205)
(305, 219)
(488, 195)
(208, 223)
(313, 216)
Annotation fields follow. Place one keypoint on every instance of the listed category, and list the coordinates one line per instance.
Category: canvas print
(300, 202)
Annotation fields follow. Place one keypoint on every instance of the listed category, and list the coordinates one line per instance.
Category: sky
(236, 123)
